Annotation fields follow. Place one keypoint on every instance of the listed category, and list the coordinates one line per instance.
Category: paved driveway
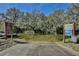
(36, 49)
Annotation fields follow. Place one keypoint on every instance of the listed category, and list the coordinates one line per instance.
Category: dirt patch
(73, 46)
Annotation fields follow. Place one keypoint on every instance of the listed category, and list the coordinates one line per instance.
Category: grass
(68, 39)
(71, 45)
(48, 38)
(75, 47)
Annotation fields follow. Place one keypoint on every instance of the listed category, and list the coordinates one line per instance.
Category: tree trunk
(55, 31)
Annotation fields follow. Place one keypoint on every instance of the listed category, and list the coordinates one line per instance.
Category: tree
(34, 21)
(12, 15)
(73, 13)
(57, 19)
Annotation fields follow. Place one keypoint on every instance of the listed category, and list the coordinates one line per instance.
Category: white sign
(68, 30)
(68, 27)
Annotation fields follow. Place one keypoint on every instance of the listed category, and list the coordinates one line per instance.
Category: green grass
(75, 47)
(68, 39)
(48, 38)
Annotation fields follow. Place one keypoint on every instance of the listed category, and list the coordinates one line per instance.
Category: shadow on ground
(19, 42)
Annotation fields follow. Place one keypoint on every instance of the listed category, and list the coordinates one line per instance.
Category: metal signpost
(69, 30)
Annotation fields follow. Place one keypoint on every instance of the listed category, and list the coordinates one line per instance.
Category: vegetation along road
(36, 49)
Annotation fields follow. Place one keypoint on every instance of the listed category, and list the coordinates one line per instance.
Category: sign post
(69, 30)
(8, 29)
(63, 35)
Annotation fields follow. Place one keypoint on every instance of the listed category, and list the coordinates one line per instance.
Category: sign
(68, 29)
(8, 28)
(68, 32)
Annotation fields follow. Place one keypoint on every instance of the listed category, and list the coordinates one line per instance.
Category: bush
(30, 32)
(49, 38)
(68, 39)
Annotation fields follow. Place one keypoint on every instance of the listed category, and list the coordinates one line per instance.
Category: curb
(68, 49)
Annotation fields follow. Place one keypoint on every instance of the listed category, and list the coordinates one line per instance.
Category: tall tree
(73, 13)
(13, 14)
(57, 19)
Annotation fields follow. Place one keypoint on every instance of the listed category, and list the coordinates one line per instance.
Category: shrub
(30, 32)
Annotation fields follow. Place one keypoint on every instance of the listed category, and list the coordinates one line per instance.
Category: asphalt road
(35, 49)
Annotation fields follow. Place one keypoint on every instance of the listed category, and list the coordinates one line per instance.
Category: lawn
(48, 38)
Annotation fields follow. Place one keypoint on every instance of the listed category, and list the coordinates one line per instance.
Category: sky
(46, 8)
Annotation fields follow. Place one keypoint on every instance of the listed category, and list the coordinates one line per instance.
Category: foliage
(38, 22)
